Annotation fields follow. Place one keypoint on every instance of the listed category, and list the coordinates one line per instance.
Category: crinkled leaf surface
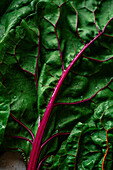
(32, 35)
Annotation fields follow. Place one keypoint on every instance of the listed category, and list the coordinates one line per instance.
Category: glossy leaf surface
(39, 40)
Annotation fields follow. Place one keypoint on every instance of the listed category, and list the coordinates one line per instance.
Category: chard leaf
(56, 68)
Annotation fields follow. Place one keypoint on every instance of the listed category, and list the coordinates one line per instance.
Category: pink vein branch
(85, 100)
(35, 152)
(58, 134)
(97, 59)
(107, 24)
(39, 165)
(20, 137)
(23, 126)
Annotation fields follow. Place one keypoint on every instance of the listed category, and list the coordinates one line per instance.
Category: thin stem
(20, 137)
(106, 151)
(30, 132)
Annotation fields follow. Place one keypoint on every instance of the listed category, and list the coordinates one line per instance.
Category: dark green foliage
(27, 26)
